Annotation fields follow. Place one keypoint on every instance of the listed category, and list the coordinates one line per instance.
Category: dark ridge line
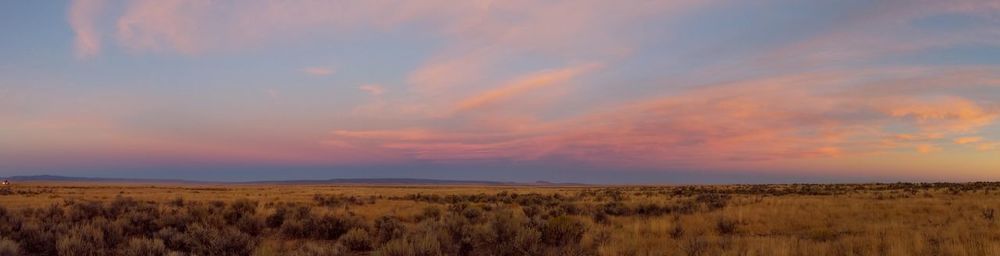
(374, 181)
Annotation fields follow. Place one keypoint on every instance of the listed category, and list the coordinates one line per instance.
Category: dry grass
(872, 219)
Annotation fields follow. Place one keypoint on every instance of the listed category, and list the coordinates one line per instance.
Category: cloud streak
(523, 85)
(318, 71)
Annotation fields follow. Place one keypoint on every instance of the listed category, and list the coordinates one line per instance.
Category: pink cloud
(372, 89)
(554, 27)
(167, 26)
(445, 72)
(82, 15)
(523, 85)
(801, 116)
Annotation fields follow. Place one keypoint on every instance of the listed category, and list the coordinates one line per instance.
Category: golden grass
(866, 222)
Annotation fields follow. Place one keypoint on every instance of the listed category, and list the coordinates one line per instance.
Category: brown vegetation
(817, 219)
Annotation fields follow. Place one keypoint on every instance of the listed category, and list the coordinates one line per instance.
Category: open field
(185, 219)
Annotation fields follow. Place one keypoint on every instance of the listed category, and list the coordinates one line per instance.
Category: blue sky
(581, 91)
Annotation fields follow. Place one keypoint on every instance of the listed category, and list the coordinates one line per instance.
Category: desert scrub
(9, 247)
(143, 247)
(356, 240)
(796, 219)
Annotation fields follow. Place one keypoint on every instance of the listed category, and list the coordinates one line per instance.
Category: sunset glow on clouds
(590, 91)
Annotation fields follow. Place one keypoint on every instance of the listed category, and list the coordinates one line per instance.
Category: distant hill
(405, 181)
(376, 181)
(92, 179)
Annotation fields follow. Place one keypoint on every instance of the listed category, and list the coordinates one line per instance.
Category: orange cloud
(949, 114)
(968, 140)
(988, 146)
(927, 148)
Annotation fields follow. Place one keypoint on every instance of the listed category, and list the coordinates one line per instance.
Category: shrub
(9, 248)
(176, 202)
(430, 213)
(713, 201)
(120, 206)
(318, 249)
(458, 235)
(726, 226)
(615, 208)
(296, 228)
(114, 232)
(601, 217)
(81, 211)
(677, 231)
(35, 240)
(396, 247)
(173, 239)
(239, 209)
(356, 240)
(531, 211)
(426, 246)
(695, 246)
(569, 208)
(388, 228)
(137, 223)
(143, 247)
(277, 218)
(602, 236)
(472, 213)
(332, 226)
(53, 214)
(250, 224)
(505, 235)
(230, 241)
(526, 242)
(82, 241)
(563, 230)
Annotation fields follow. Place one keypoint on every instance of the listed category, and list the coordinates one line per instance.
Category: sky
(594, 91)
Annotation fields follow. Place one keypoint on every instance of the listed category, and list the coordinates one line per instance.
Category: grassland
(185, 219)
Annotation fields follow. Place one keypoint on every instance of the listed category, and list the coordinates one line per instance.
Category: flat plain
(74, 218)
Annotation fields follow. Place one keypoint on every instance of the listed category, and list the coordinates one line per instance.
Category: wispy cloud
(523, 85)
(967, 140)
(651, 83)
(769, 119)
(318, 71)
(372, 89)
